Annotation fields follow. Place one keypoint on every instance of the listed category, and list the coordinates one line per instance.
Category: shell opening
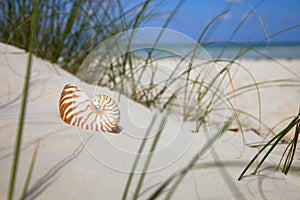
(98, 108)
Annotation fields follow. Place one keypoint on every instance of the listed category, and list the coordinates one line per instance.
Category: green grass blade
(231, 185)
(289, 158)
(192, 163)
(137, 159)
(70, 23)
(140, 14)
(286, 149)
(291, 154)
(14, 168)
(276, 141)
(158, 192)
(29, 174)
(165, 25)
(239, 25)
(280, 136)
(181, 174)
(143, 175)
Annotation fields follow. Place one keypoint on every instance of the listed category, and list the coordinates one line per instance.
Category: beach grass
(126, 189)
(290, 149)
(177, 177)
(66, 32)
(17, 151)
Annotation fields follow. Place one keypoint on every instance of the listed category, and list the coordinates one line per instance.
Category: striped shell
(76, 108)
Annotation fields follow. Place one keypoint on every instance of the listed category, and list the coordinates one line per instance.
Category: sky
(266, 18)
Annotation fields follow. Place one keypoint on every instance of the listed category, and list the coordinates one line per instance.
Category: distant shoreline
(234, 51)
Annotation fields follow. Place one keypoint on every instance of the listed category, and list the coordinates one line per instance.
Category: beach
(73, 163)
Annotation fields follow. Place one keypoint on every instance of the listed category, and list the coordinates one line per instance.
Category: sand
(67, 169)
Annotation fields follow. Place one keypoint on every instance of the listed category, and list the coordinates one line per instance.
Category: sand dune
(76, 164)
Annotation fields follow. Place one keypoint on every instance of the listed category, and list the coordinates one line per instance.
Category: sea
(282, 50)
(275, 50)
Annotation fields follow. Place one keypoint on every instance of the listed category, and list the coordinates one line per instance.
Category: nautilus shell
(76, 108)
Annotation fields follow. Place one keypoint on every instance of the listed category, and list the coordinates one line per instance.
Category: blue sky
(276, 15)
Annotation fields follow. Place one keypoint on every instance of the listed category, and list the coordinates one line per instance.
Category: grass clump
(67, 31)
(289, 151)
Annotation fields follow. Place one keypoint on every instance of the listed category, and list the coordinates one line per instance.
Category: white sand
(99, 169)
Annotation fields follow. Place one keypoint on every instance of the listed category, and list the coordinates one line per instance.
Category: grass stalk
(293, 144)
(70, 23)
(239, 25)
(143, 175)
(273, 143)
(31, 167)
(14, 169)
(182, 173)
(137, 159)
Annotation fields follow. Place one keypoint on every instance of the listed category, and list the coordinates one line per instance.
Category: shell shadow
(118, 130)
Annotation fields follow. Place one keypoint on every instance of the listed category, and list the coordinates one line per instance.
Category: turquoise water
(224, 51)
(276, 51)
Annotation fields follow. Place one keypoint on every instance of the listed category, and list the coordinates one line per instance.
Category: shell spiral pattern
(76, 108)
